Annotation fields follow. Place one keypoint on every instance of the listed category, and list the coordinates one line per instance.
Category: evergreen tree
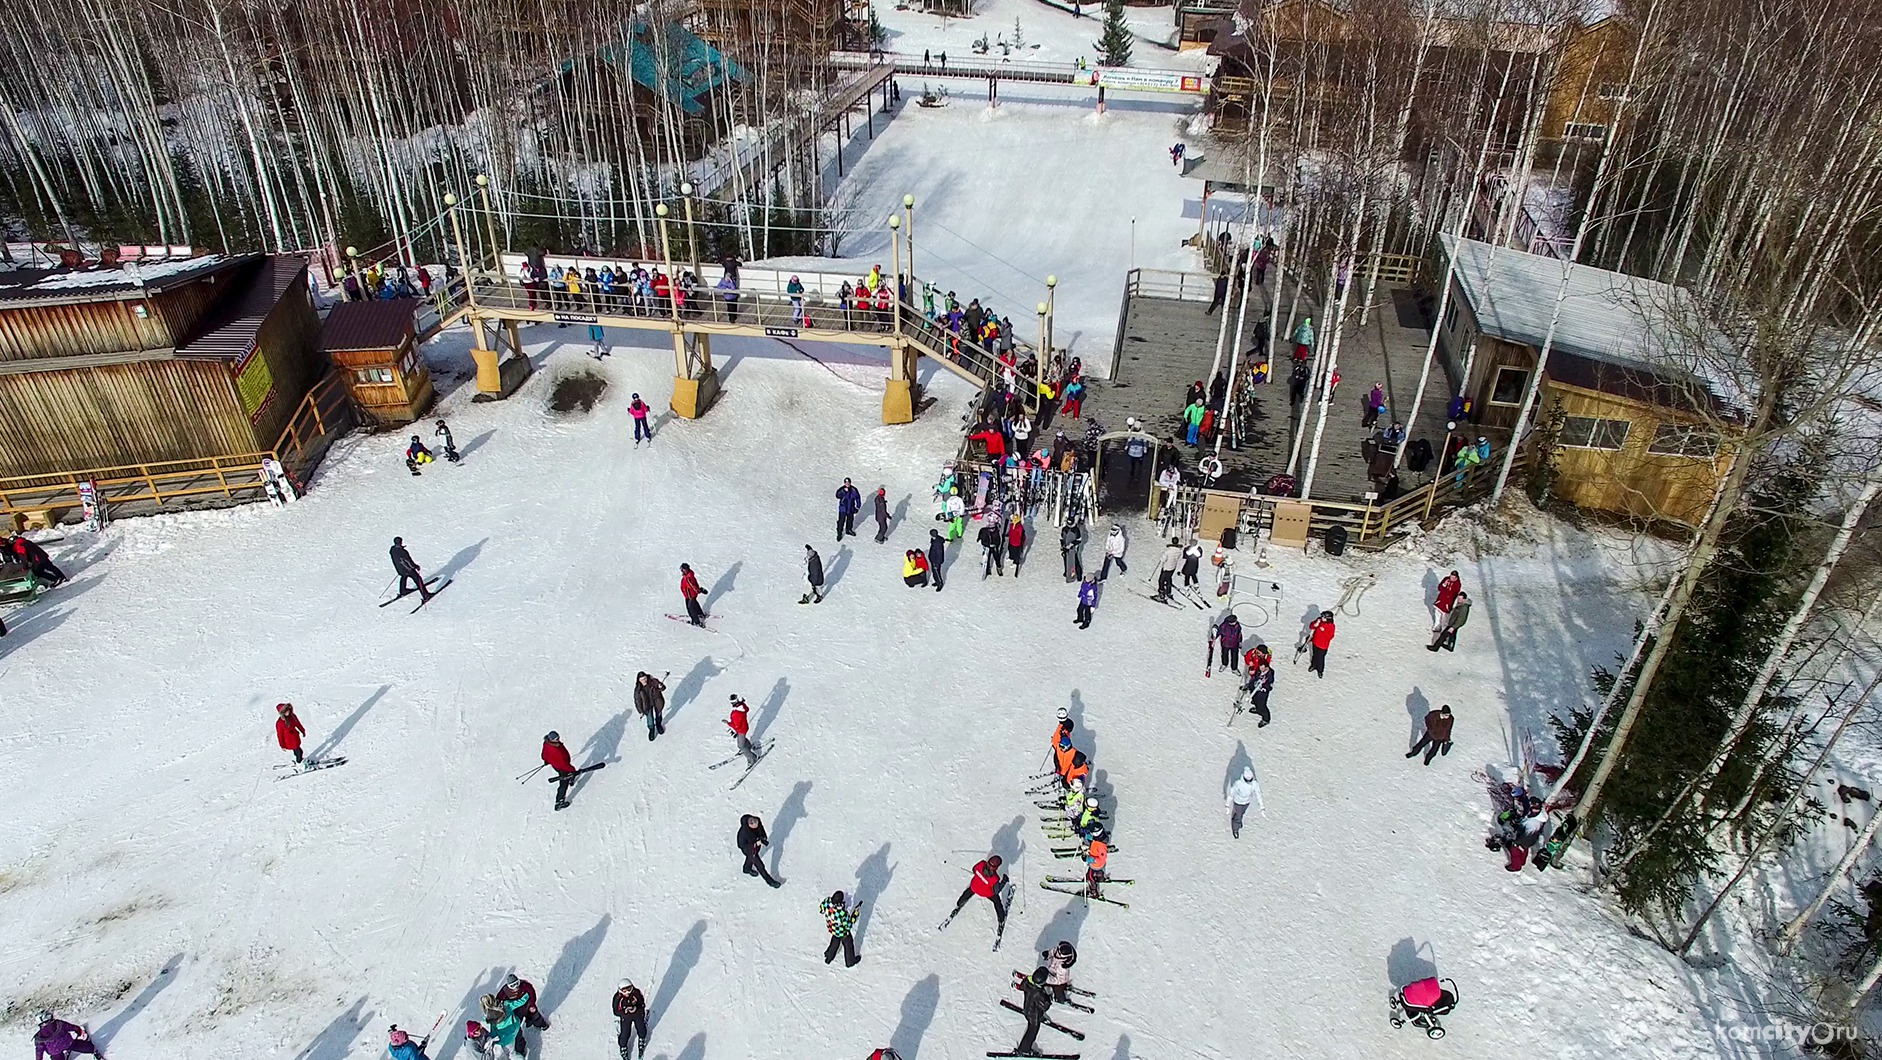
(1114, 47)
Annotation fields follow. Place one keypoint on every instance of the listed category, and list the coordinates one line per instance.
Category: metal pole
(692, 234)
(666, 256)
(1431, 496)
(457, 233)
(1039, 361)
(908, 214)
(895, 245)
(490, 225)
(352, 258)
(1052, 285)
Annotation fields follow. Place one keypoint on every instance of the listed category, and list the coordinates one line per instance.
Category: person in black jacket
(882, 514)
(849, 501)
(29, 552)
(650, 702)
(813, 569)
(1038, 1001)
(751, 839)
(994, 546)
(937, 555)
(408, 571)
(630, 1007)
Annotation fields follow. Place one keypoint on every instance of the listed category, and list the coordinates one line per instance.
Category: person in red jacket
(1320, 634)
(556, 756)
(740, 723)
(1447, 596)
(987, 884)
(1015, 542)
(288, 730)
(689, 588)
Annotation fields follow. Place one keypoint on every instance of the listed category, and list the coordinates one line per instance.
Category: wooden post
(314, 404)
(224, 479)
(148, 481)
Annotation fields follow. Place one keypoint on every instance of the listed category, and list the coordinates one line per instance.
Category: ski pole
(426, 1040)
(524, 779)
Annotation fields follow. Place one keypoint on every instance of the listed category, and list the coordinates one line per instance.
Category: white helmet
(1248, 772)
(1078, 783)
(1091, 803)
(1063, 713)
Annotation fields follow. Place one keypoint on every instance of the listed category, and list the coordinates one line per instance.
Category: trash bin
(1335, 540)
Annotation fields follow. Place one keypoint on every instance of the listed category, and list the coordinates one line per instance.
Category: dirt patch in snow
(578, 392)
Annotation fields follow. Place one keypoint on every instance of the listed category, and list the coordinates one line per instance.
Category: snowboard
(311, 765)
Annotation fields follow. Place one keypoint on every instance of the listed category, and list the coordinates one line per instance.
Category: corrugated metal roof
(228, 333)
(382, 324)
(27, 287)
(29, 365)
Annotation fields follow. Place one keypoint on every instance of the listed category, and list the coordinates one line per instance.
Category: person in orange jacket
(288, 730)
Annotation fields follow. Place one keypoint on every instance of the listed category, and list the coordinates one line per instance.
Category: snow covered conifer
(1114, 47)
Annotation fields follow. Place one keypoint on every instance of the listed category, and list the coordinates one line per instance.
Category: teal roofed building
(668, 67)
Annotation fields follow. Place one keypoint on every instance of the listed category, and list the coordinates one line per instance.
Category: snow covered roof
(231, 329)
(23, 287)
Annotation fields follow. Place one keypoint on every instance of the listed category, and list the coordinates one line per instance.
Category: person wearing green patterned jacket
(840, 917)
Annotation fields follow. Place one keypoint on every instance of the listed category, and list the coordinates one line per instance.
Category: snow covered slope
(160, 884)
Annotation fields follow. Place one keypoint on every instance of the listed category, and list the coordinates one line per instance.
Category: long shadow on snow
(786, 819)
(476, 443)
(1408, 962)
(685, 959)
(1417, 706)
(1238, 762)
(723, 585)
(332, 742)
(109, 1029)
(690, 686)
(577, 954)
(336, 1040)
(838, 564)
(1065, 924)
(606, 742)
(36, 624)
(768, 710)
(872, 878)
(464, 558)
(918, 1009)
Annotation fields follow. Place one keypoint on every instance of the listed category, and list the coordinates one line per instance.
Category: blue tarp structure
(693, 68)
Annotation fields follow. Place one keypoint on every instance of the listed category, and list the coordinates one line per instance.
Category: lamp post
(490, 226)
(352, 269)
(1052, 283)
(1039, 359)
(666, 255)
(908, 212)
(457, 233)
(1431, 492)
(895, 244)
(692, 235)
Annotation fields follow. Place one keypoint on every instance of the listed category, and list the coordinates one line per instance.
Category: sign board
(254, 383)
(1219, 512)
(1291, 520)
(577, 318)
(1126, 78)
(781, 333)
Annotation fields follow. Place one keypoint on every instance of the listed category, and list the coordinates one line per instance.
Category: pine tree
(1114, 47)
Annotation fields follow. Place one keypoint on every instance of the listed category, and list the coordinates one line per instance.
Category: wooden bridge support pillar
(903, 396)
(695, 379)
(496, 377)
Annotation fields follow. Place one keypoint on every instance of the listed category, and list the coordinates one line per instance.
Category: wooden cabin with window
(1633, 433)
(374, 346)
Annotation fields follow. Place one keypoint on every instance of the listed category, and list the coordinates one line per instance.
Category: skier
(56, 1039)
(1097, 855)
(450, 447)
(1436, 739)
(639, 410)
(840, 917)
(986, 883)
(505, 1027)
(1241, 793)
(1192, 562)
(689, 588)
(650, 702)
(1016, 542)
(1059, 960)
(1087, 599)
(1090, 819)
(954, 513)
(288, 730)
(848, 503)
(1166, 570)
(1114, 545)
(1459, 614)
(751, 839)
(1447, 595)
(1228, 633)
(556, 756)
(1320, 635)
(1072, 550)
(478, 1037)
(1037, 1002)
(1260, 683)
(739, 722)
(882, 514)
(416, 455)
(992, 548)
(401, 1046)
(408, 570)
(937, 556)
(1069, 762)
(630, 1008)
(813, 565)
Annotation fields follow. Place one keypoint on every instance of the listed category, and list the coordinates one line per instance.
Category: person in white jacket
(1241, 793)
(1114, 545)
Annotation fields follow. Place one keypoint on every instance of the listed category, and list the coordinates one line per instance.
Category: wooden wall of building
(119, 414)
(289, 340)
(1630, 480)
(105, 326)
(1593, 67)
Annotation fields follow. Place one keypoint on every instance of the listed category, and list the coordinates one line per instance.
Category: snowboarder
(288, 730)
(416, 455)
(400, 1046)
(639, 410)
(1114, 546)
(1016, 542)
(1241, 793)
(56, 1039)
(813, 570)
(630, 1008)
(739, 722)
(840, 917)
(986, 883)
(408, 571)
(443, 430)
(937, 557)
(650, 702)
(1228, 633)
(1436, 739)
(954, 513)
(690, 589)
(752, 839)
(1072, 550)
(504, 1025)
(1447, 595)
(992, 548)
(1320, 636)
(1453, 621)
(555, 755)
(1037, 1002)
(1260, 684)
(848, 503)
(1166, 570)
(1087, 599)
(1059, 960)
(882, 514)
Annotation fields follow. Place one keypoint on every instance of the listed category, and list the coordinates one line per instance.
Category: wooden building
(1636, 427)
(373, 344)
(177, 360)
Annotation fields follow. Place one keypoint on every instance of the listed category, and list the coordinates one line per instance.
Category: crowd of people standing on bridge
(385, 280)
(628, 290)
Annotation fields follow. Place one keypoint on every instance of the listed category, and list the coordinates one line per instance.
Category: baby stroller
(1422, 1002)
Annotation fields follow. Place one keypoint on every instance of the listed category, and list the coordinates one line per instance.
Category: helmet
(625, 984)
(414, 438)
(1248, 772)
(510, 979)
(551, 736)
(733, 697)
(1091, 802)
(1078, 783)
(397, 1037)
(1064, 949)
(283, 708)
(636, 397)
(43, 1015)
(994, 862)
(1038, 977)
(1063, 713)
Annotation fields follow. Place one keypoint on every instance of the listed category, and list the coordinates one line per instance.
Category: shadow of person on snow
(606, 742)
(577, 954)
(692, 684)
(332, 742)
(685, 959)
(103, 1033)
(476, 443)
(464, 558)
(723, 585)
(918, 1009)
(768, 710)
(872, 878)
(838, 564)
(470, 1009)
(786, 819)
(1417, 706)
(335, 1041)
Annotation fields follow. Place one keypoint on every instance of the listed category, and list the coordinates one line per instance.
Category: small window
(1685, 439)
(1450, 316)
(1612, 90)
(1584, 130)
(1510, 383)
(1587, 432)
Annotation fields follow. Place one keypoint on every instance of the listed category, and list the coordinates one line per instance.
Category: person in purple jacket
(56, 1039)
(1087, 599)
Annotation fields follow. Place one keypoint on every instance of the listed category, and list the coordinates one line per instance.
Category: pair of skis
(309, 766)
(1060, 1027)
(428, 594)
(762, 752)
(563, 804)
(1068, 988)
(1082, 888)
(688, 621)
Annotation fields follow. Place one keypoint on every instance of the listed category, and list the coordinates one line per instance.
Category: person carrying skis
(986, 883)
(1436, 739)
(504, 1025)
(400, 1046)
(1036, 1001)
(630, 1009)
(1242, 792)
(1459, 614)
(1016, 541)
(739, 722)
(55, 1039)
(1260, 683)
(1087, 599)
(839, 916)
(416, 455)
(992, 548)
(848, 502)
(1059, 960)
(650, 702)
(690, 589)
(288, 730)
(555, 755)
(408, 570)
(450, 447)
(813, 570)
(1114, 546)
(937, 557)
(1320, 637)
(1228, 633)
(639, 410)
(752, 839)
(1072, 550)
(1447, 595)
(1166, 570)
